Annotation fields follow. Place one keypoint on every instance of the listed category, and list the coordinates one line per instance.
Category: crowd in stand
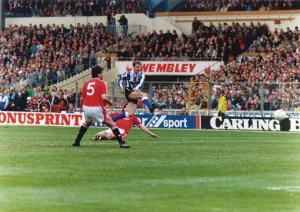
(175, 96)
(278, 40)
(52, 52)
(251, 84)
(38, 99)
(238, 5)
(38, 56)
(243, 83)
(52, 8)
(223, 41)
(44, 55)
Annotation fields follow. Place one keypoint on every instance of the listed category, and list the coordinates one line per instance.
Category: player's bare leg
(110, 123)
(131, 109)
(144, 97)
(84, 127)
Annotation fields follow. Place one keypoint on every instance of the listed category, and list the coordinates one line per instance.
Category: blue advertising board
(168, 121)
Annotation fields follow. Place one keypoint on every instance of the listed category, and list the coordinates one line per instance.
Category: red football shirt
(92, 92)
(126, 123)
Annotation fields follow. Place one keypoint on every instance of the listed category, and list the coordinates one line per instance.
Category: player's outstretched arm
(106, 99)
(145, 129)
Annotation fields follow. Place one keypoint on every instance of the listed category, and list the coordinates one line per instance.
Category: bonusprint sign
(170, 67)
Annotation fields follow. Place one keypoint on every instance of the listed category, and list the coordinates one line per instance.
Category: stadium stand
(53, 52)
(234, 5)
(242, 82)
(41, 56)
(45, 69)
(206, 42)
(50, 8)
(36, 57)
(274, 58)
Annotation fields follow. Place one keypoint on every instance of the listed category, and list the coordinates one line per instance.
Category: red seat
(55, 109)
(242, 46)
(230, 58)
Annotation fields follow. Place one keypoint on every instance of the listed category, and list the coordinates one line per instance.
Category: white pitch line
(285, 188)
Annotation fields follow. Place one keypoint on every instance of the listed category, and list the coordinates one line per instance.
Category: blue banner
(167, 121)
(170, 121)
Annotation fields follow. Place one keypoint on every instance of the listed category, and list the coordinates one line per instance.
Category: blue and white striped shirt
(132, 80)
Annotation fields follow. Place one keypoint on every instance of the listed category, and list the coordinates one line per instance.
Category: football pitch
(181, 171)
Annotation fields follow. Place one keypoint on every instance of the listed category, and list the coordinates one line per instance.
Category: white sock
(126, 114)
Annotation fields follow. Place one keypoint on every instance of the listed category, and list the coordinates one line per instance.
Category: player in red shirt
(124, 126)
(94, 94)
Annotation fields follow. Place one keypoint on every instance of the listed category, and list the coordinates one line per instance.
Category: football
(280, 115)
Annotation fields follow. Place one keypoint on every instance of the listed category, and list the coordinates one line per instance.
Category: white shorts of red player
(98, 113)
(109, 133)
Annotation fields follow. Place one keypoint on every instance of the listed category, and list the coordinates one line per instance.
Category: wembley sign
(169, 68)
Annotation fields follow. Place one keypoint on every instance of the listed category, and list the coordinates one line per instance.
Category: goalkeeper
(222, 104)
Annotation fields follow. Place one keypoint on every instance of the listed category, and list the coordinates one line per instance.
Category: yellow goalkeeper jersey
(222, 104)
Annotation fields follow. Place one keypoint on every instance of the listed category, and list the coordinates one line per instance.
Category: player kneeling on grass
(124, 126)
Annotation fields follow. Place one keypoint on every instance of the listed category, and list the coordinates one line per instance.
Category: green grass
(182, 171)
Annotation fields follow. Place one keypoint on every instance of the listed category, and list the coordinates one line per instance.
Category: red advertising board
(41, 119)
(170, 67)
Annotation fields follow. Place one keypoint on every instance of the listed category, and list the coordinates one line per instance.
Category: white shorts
(94, 113)
(109, 133)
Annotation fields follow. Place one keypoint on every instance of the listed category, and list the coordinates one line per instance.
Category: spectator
(61, 74)
(32, 105)
(54, 100)
(20, 100)
(62, 102)
(122, 104)
(124, 23)
(72, 96)
(23, 82)
(160, 103)
(111, 26)
(160, 111)
(3, 101)
(44, 106)
(196, 24)
(184, 112)
(11, 100)
(79, 67)
(71, 109)
(108, 62)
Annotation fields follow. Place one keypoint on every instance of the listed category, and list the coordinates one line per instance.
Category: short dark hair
(136, 62)
(96, 70)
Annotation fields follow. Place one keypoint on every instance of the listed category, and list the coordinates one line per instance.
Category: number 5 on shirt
(90, 89)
